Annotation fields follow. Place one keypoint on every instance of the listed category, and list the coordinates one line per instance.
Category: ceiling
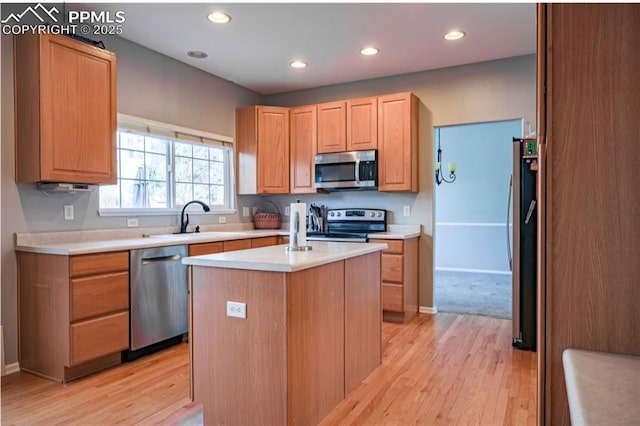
(255, 48)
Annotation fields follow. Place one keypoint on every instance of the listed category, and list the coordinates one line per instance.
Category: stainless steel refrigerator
(523, 186)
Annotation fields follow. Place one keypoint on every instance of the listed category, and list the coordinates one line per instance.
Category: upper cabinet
(262, 150)
(332, 127)
(65, 97)
(362, 124)
(398, 142)
(303, 144)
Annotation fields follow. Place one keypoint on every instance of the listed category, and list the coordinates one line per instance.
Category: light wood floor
(438, 369)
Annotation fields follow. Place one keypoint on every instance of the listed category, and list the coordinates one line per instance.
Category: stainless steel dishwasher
(158, 291)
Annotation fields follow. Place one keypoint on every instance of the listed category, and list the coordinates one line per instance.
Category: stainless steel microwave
(347, 170)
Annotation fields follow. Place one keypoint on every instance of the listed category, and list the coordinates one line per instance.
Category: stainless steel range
(352, 225)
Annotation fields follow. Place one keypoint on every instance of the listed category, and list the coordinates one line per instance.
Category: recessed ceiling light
(196, 54)
(368, 51)
(454, 35)
(298, 64)
(219, 17)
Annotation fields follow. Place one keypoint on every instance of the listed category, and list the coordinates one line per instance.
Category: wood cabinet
(309, 337)
(399, 279)
(262, 150)
(231, 245)
(332, 127)
(398, 142)
(303, 147)
(65, 99)
(362, 124)
(588, 109)
(74, 312)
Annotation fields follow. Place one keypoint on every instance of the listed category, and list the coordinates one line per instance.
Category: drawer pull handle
(149, 260)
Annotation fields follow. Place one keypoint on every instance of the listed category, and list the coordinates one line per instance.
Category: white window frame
(181, 134)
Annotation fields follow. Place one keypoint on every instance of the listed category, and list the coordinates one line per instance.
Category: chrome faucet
(183, 223)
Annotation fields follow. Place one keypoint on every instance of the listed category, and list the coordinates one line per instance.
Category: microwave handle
(358, 171)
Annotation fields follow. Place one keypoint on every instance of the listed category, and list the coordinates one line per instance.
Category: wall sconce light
(452, 167)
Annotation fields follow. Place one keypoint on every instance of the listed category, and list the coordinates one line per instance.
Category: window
(159, 170)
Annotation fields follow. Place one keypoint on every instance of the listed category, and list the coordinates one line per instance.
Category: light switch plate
(236, 309)
(245, 211)
(407, 210)
(287, 211)
(68, 212)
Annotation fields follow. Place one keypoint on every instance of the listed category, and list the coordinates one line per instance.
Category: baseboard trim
(479, 271)
(428, 310)
(11, 368)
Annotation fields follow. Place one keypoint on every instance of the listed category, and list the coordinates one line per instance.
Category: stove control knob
(338, 214)
(372, 214)
(332, 214)
(379, 214)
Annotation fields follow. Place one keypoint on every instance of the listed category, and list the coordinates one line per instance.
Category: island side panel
(239, 365)
(315, 301)
(363, 318)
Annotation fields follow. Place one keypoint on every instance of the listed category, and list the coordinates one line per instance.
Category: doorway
(471, 269)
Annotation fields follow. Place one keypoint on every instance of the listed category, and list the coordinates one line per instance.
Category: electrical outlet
(222, 219)
(132, 222)
(407, 210)
(236, 309)
(287, 211)
(68, 212)
(245, 211)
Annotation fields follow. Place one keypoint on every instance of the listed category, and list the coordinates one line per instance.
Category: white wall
(471, 212)
(154, 86)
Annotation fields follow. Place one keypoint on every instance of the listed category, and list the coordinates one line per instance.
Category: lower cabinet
(74, 312)
(232, 245)
(399, 279)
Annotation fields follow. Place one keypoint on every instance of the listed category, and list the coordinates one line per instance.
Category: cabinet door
(78, 112)
(303, 144)
(273, 150)
(233, 245)
(264, 241)
(398, 142)
(332, 127)
(362, 124)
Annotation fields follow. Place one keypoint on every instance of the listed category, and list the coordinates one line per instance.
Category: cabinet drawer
(264, 241)
(99, 294)
(205, 248)
(98, 263)
(99, 337)
(395, 246)
(393, 268)
(236, 245)
(392, 297)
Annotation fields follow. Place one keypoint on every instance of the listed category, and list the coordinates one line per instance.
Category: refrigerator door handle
(509, 190)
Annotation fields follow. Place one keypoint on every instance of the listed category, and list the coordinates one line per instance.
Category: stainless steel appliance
(351, 225)
(523, 262)
(347, 170)
(158, 292)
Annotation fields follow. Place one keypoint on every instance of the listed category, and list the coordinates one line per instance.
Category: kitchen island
(304, 330)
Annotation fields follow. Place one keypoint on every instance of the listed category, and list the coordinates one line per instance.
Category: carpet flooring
(473, 293)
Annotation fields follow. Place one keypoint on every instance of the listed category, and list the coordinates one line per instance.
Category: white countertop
(602, 388)
(278, 259)
(58, 242)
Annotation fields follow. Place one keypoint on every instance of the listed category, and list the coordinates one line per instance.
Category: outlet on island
(236, 309)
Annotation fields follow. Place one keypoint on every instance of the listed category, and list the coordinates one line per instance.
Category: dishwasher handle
(148, 260)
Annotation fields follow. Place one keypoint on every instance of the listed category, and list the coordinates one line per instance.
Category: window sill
(161, 212)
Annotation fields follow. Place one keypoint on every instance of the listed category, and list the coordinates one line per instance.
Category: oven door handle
(357, 171)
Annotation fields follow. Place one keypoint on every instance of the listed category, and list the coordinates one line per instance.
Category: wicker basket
(266, 220)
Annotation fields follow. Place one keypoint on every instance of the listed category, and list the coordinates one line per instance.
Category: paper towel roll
(301, 209)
